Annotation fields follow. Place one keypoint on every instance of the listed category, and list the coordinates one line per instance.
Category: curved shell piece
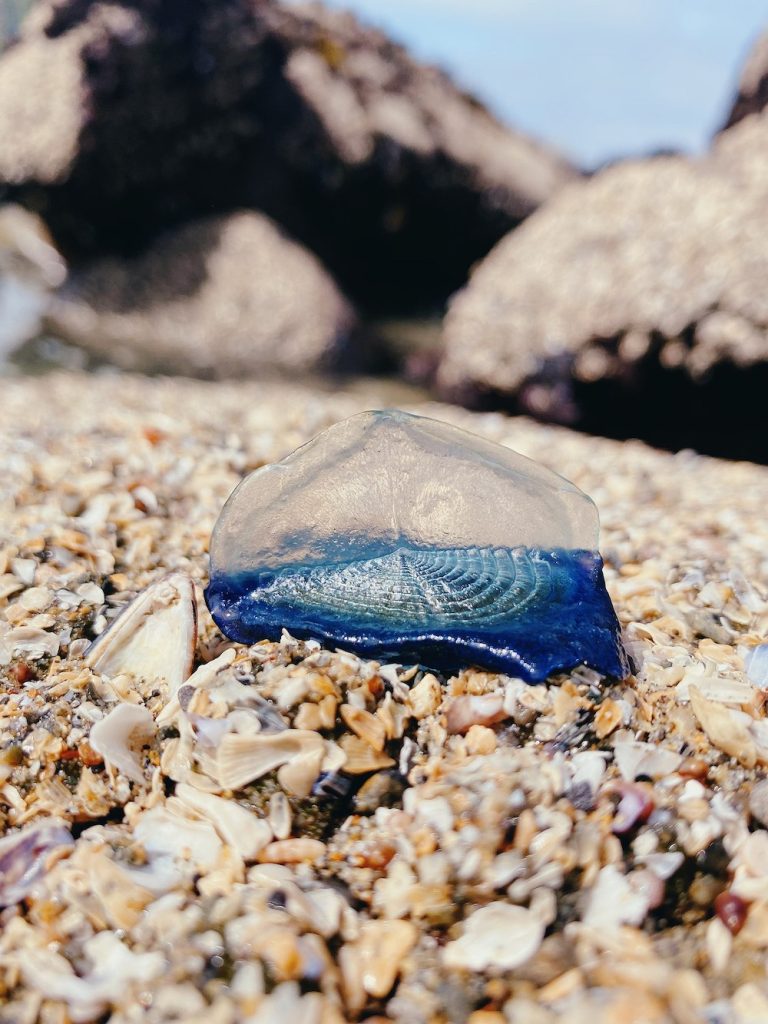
(154, 637)
(116, 736)
(402, 537)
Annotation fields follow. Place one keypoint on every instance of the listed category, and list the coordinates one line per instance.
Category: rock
(29, 268)
(118, 121)
(633, 304)
(218, 297)
(753, 83)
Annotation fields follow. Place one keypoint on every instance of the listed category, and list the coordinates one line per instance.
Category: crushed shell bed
(293, 833)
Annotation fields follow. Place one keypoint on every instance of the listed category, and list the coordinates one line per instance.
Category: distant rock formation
(752, 95)
(122, 119)
(223, 297)
(633, 304)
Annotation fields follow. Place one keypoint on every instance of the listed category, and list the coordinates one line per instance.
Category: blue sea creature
(404, 538)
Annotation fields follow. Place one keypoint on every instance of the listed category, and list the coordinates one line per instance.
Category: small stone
(480, 740)
(704, 890)
(293, 851)
(732, 911)
(372, 963)
(384, 789)
(694, 768)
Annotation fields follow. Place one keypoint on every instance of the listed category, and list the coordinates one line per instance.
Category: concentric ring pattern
(422, 588)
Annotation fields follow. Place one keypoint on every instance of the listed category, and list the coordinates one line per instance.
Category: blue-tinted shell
(518, 586)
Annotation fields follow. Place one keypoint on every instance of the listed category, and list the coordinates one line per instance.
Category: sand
(584, 850)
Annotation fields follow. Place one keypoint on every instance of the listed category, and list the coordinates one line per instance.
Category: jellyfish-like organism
(404, 538)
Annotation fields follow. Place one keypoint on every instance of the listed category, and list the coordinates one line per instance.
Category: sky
(599, 79)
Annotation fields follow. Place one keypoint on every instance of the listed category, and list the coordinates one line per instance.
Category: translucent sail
(402, 537)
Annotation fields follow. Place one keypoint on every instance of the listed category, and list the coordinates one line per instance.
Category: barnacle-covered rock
(121, 122)
(752, 93)
(646, 279)
(220, 296)
(402, 537)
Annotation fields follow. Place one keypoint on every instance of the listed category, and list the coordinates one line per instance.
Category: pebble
(292, 851)
(732, 911)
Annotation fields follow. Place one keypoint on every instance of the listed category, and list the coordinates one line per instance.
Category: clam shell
(154, 638)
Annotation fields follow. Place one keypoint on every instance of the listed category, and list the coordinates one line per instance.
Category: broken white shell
(241, 829)
(280, 816)
(299, 775)
(116, 736)
(177, 846)
(115, 972)
(725, 728)
(154, 638)
(371, 963)
(756, 664)
(615, 901)
(634, 758)
(24, 856)
(203, 678)
(242, 759)
(500, 935)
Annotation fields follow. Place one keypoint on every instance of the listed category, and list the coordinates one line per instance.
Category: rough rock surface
(752, 94)
(219, 297)
(118, 119)
(647, 280)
